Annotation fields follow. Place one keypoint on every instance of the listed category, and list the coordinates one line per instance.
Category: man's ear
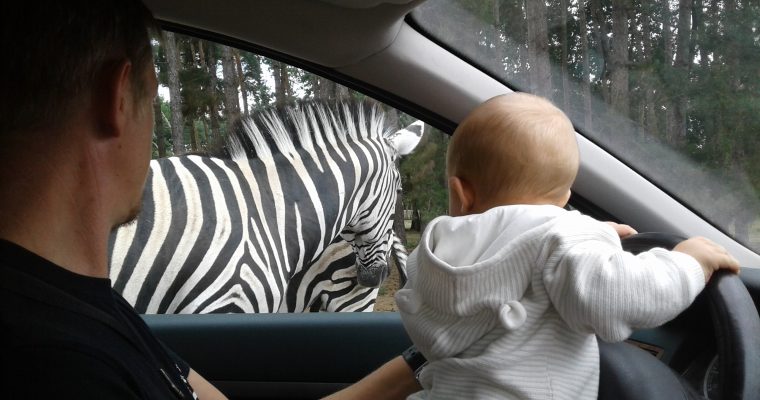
(113, 99)
(462, 196)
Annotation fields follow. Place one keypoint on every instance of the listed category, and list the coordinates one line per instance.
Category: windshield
(671, 88)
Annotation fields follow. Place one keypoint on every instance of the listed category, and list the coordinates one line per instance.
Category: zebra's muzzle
(373, 275)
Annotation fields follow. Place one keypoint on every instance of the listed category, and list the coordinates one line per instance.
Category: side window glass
(229, 227)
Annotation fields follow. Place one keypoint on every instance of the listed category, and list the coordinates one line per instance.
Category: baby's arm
(597, 287)
(710, 255)
(621, 229)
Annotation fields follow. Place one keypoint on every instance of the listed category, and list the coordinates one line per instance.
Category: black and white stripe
(232, 234)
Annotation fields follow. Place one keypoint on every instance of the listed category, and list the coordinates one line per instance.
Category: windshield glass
(669, 87)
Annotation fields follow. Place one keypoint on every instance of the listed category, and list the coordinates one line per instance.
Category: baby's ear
(462, 196)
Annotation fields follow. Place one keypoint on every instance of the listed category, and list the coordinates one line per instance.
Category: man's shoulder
(51, 350)
(36, 313)
(28, 320)
(59, 370)
(17, 294)
(52, 337)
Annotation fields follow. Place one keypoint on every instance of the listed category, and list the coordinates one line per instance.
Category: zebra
(304, 179)
(330, 283)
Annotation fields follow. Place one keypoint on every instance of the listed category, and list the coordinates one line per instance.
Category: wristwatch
(415, 360)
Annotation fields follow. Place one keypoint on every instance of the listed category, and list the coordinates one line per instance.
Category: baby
(506, 295)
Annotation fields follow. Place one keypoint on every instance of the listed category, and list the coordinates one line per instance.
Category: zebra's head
(328, 169)
(370, 232)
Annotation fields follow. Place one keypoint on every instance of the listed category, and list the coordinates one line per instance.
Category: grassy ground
(412, 238)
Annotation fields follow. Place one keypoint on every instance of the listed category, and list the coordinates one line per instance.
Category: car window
(204, 88)
(671, 88)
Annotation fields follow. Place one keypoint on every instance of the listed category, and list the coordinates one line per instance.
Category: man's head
(60, 53)
(512, 149)
(78, 91)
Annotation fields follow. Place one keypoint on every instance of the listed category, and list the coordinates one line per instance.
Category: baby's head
(512, 149)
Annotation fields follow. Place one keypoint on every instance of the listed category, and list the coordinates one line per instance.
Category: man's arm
(203, 388)
(393, 380)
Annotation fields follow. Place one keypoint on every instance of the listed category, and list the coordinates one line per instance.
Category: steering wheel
(629, 373)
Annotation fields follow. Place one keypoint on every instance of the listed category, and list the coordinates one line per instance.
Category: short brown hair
(515, 145)
(58, 51)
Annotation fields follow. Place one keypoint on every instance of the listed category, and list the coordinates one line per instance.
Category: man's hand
(710, 255)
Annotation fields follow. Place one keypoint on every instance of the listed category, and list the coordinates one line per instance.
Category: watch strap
(414, 359)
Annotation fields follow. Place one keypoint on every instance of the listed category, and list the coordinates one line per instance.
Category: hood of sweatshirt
(481, 260)
(471, 272)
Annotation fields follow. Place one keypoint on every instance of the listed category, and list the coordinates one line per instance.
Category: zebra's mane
(303, 125)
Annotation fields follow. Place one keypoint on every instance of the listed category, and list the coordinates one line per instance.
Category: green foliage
(255, 79)
(423, 176)
(206, 120)
(161, 131)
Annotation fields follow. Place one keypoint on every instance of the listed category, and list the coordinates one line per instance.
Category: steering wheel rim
(737, 330)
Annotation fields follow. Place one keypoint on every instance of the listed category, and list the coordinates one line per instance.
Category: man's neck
(53, 212)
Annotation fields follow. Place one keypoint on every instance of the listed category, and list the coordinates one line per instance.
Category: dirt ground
(385, 301)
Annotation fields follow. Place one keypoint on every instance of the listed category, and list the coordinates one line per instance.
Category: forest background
(637, 77)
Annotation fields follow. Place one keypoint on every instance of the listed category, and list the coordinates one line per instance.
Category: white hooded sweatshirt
(506, 304)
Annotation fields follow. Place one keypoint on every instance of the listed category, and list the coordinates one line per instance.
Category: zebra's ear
(406, 139)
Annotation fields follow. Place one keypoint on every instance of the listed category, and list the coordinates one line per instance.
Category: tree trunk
(207, 132)
(158, 116)
(676, 119)
(601, 34)
(203, 64)
(193, 60)
(618, 64)
(210, 65)
(565, 58)
(241, 81)
(193, 136)
(324, 89)
(496, 41)
(586, 73)
(175, 101)
(538, 48)
(696, 26)
(650, 102)
(231, 97)
(281, 83)
(667, 34)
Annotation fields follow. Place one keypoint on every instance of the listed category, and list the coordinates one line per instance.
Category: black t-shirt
(69, 336)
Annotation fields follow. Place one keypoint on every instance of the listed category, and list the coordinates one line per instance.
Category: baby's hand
(710, 255)
(622, 230)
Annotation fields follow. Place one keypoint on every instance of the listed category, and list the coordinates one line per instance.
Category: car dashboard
(290, 356)
(688, 345)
